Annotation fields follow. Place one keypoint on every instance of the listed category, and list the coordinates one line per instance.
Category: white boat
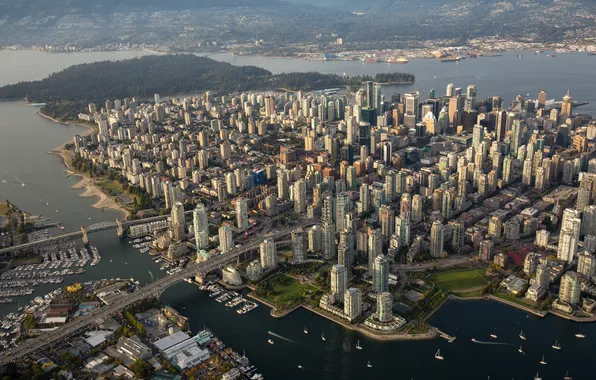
(323, 337)
(270, 341)
(358, 345)
(522, 336)
(580, 336)
(299, 366)
(537, 377)
(543, 361)
(305, 330)
(493, 336)
(438, 355)
(368, 364)
(556, 346)
(520, 349)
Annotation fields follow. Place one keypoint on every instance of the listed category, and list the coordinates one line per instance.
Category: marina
(232, 299)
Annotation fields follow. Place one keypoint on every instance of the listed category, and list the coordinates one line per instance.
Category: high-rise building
(353, 303)
(364, 198)
(589, 220)
(402, 229)
(178, 222)
(384, 307)
(495, 227)
(226, 241)
(541, 99)
(328, 240)
(567, 246)
(283, 188)
(417, 208)
(566, 106)
(486, 250)
(457, 234)
(570, 289)
(342, 205)
(268, 254)
(339, 282)
(298, 246)
(586, 264)
(387, 221)
(300, 196)
(242, 213)
(201, 226)
(380, 275)
(542, 238)
(437, 237)
(375, 246)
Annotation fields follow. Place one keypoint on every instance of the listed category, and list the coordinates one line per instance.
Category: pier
(446, 336)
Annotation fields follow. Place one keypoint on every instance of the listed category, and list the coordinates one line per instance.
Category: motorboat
(580, 336)
(270, 341)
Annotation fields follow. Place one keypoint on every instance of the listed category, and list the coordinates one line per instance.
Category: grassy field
(460, 279)
(3, 208)
(283, 291)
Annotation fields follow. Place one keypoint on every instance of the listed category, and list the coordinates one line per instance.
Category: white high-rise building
(375, 247)
(268, 254)
(339, 282)
(570, 289)
(542, 238)
(586, 264)
(300, 196)
(567, 246)
(201, 226)
(384, 307)
(226, 241)
(242, 213)
(353, 303)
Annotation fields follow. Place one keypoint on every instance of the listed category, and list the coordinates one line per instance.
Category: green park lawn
(460, 279)
(284, 291)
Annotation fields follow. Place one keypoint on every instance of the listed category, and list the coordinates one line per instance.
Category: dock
(446, 336)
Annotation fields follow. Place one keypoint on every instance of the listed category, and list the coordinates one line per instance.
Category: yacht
(556, 346)
(305, 330)
(368, 364)
(270, 341)
(323, 337)
(543, 361)
(522, 336)
(438, 355)
(580, 336)
(358, 345)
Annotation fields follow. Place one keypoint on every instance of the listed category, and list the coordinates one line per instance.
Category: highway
(33, 345)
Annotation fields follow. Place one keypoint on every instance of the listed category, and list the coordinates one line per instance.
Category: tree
(140, 368)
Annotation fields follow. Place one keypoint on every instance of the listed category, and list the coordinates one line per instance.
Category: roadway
(33, 345)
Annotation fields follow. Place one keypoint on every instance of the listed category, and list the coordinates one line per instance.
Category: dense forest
(166, 75)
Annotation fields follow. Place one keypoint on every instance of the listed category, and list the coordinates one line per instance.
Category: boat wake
(492, 343)
(281, 337)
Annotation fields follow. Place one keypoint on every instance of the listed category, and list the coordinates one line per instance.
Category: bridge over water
(153, 289)
(84, 232)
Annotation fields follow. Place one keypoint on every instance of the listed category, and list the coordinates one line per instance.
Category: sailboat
(438, 355)
(556, 346)
(543, 361)
(522, 336)
(567, 377)
(520, 349)
(368, 364)
(323, 337)
(358, 345)
(305, 330)
(537, 377)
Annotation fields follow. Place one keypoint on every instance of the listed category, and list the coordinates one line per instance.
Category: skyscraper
(437, 236)
(417, 208)
(570, 289)
(328, 240)
(567, 246)
(242, 213)
(201, 226)
(268, 252)
(375, 246)
(298, 246)
(178, 222)
(384, 307)
(353, 303)
(226, 241)
(300, 196)
(387, 221)
(339, 282)
(380, 275)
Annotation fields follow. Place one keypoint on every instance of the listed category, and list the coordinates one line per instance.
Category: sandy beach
(104, 201)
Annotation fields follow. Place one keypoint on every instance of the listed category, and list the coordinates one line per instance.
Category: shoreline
(395, 336)
(86, 183)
